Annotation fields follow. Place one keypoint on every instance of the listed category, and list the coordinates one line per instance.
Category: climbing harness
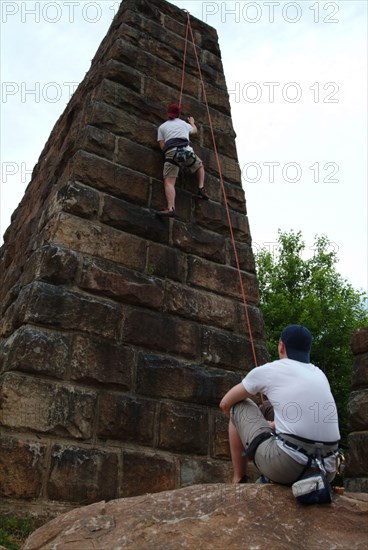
(189, 28)
(314, 488)
(255, 443)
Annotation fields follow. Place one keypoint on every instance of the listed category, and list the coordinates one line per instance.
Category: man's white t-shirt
(301, 397)
(174, 129)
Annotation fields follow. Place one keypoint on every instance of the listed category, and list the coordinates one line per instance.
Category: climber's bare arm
(194, 127)
(236, 394)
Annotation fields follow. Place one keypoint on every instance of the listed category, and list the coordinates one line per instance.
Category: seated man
(305, 415)
(173, 137)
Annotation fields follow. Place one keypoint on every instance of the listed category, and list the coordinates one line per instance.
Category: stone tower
(121, 331)
(356, 475)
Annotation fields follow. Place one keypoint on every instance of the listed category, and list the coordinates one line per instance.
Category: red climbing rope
(184, 61)
(189, 26)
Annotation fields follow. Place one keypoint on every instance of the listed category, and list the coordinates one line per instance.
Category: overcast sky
(297, 77)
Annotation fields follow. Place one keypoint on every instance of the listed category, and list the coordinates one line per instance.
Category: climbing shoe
(167, 213)
(202, 193)
(263, 479)
(244, 479)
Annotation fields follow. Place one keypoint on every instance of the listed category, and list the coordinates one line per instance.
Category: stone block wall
(357, 458)
(120, 331)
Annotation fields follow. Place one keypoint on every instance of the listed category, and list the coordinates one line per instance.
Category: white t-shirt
(302, 400)
(174, 129)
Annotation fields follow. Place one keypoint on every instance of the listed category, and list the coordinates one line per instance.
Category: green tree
(312, 293)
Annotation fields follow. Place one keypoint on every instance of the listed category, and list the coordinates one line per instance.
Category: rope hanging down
(189, 27)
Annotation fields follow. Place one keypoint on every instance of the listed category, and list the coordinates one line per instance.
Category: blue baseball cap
(298, 342)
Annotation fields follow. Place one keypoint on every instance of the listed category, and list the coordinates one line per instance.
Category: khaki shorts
(172, 170)
(269, 458)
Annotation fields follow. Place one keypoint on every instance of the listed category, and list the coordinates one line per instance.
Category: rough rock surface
(214, 516)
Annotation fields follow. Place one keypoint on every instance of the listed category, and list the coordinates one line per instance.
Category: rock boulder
(210, 517)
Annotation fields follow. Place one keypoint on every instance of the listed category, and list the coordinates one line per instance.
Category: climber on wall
(173, 137)
(305, 415)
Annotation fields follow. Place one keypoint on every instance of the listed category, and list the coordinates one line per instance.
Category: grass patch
(14, 531)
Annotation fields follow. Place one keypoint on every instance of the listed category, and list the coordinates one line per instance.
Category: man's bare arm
(192, 123)
(236, 394)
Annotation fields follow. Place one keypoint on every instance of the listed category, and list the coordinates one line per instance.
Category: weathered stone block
(82, 475)
(360, 371)
(166, 378)
(54, 306)
(213, 61)
(153, 41)
(21, 468)
(358, 410)
(121, 284)
(220, 447)
(122, 74)
(222, 279)
(46, 407)
(235, 197)
(52, 264)
(213, 187)
(205, 37)
(140, 31)
(79, 200)
(95, 360)
(155, 473)
(126, 419)
(184, 429)
(161, 332)
(164, 261)
(132, 219)
(255, 321)
(134, 103)
(213, 216)
(357, 457)
(228, 350)
(183, 206)
(152, 10)
(359, 341)
(194, 471)
(36, 350)
(157, 90)
(195, 240)
(109, 177)
(96, 141)
(245, 256)
(158, 200)
(211, 75)
(123, 124)
(204, 307)
(222, 123)
(131, 155)
(219, 101)
(99, 240)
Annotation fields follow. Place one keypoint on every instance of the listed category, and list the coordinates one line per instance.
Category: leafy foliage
(312, 293)
(14, 531)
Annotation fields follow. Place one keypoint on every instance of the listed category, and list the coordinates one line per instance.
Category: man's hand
(225, 406)
(192, 123)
